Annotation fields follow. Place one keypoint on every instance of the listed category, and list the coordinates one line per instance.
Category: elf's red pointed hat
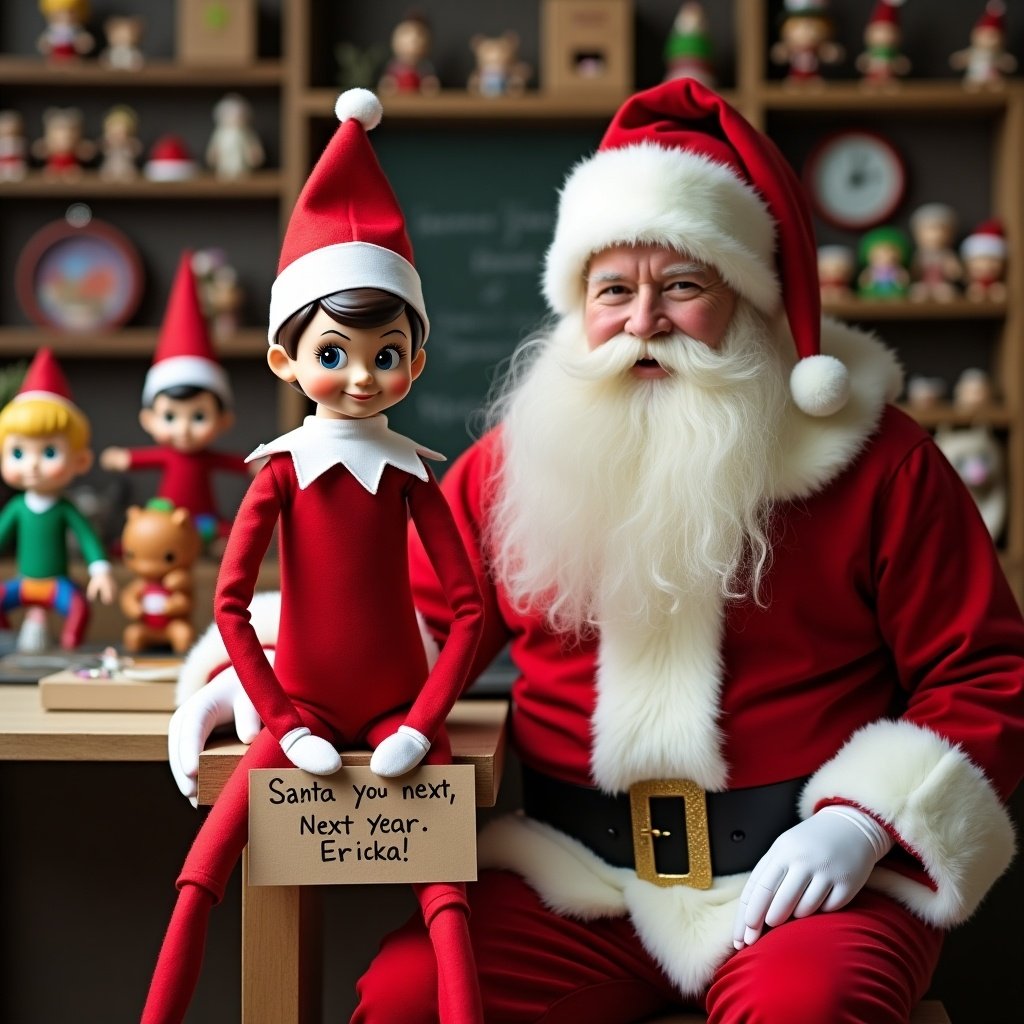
(184, 354)
(347, 229)
(679, 167)
(994, 16)
(45, 379)
(886, 12)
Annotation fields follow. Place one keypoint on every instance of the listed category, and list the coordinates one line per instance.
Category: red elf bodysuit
(349, 662)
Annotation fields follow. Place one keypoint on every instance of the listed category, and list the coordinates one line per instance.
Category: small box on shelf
(216, 31)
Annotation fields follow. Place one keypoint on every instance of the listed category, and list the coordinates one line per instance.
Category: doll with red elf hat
(347, 327)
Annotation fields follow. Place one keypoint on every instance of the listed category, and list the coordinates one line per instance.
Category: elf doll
(44, 439)
(186, 406)
(347, 327)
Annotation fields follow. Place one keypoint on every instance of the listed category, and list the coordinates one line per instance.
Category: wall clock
(856, 179)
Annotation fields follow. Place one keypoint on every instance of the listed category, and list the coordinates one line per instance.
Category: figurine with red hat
(806, 41)
(45, 446)
(882, 61)
(348, 326)
(186, 406)
(983, 253)
(985, 61)
(769, 688)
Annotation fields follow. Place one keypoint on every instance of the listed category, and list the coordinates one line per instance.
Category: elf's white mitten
(310, 753)
(399, 753)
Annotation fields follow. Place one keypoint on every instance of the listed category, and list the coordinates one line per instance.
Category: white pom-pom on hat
(359, 105)
(820, 385)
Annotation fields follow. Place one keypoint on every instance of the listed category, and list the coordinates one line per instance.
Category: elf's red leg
(76, 620)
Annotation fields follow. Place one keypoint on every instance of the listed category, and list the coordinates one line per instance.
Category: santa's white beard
(622, 497)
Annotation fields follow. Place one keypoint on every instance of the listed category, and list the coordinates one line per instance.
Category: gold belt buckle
(698, 841)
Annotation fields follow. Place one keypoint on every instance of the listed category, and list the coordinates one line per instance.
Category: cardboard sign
(356, 827)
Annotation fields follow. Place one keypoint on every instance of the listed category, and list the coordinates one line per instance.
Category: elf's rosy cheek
(320, 386)
(396, 385)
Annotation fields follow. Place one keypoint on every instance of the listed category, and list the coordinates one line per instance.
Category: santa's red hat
(45, 379)
(886, 12)
(994, 16)
(679, 167)
(170, 160)
(987, 239)
(347, 229)
(184, 355)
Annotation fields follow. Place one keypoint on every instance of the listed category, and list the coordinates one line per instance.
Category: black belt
(659, 828)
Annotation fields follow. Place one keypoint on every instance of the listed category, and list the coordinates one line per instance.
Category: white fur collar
(364, 447)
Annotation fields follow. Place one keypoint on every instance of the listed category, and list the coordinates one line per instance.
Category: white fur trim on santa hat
(983, 244)
(820, 385)
(649, 194)
(190, 371)
(937, 800)
(359, 105)
(335, 268)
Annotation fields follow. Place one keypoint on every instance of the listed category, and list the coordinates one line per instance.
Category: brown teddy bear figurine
(498, 72)
(159, 545)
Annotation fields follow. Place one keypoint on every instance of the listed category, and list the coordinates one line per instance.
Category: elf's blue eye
(388, 358)
(17, 453)
(49, 452)
(332, 358)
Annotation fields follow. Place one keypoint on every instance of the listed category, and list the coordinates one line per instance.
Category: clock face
(856, 179)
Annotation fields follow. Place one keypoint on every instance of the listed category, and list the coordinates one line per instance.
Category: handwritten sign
(356, 827)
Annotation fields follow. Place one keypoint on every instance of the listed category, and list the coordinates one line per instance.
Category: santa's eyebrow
(604, 276)
(679, 269)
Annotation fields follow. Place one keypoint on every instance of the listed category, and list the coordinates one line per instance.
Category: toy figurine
(358, 66)
(45, 445)
(498, 70)
(884, 252)
(688, 50)
(65, 37)
(984, 257)
(882, 63)
(985, 60)
(935, 269)
(120, 146)
(973, 391)
(186, 406)
(409, 70)
(170, 160)
(805, 41)
(62, 147)
(925, 394)
(347, 326)
(124, 33)
(220, 295)
(836, 268)
(978, 459)
(13, 148)
(234, 149)
(159, 546)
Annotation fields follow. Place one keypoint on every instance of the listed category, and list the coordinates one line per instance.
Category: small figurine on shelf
(973, 391)
(925, 394)
(120, 146)
(347, 326)
(159, 546)
(935, 268)
(13, 147)
(984, 256)
(65, 37)
(186, 406)
(884, 252)
(688, 49)
(977, 457)
(498, 71)
(45, 446)
(985, 61)
(62, 147)
(806, 41)
(882, 63)
(234, 149)
(124, 34)
(409, 70)
(220, 294)
(836, 268)
(170, 160)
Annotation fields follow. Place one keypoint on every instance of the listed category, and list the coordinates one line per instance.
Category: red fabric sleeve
(247, 545)
(227, 462)
(147, 458)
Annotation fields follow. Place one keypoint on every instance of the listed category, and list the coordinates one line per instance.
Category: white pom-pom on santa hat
(820, 385)
(359, 105)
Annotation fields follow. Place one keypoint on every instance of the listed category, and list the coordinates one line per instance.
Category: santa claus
(769, 698)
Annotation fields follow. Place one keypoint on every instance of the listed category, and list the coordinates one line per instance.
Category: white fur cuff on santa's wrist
(941, 805)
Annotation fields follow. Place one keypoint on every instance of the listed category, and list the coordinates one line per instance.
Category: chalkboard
(480, 208)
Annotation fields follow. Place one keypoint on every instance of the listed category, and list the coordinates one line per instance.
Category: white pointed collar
(363, 446)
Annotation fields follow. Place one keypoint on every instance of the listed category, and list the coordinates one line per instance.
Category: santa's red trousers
(869, 962)
(215, 853)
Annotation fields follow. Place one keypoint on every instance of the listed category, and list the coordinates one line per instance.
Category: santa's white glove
(310, 753)
(220, 702)
(820, 864)
(399, 753)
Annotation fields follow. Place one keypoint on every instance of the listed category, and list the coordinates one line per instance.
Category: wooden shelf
(903, 309)
(259, 185)
(944, 415)
(129, 343)
(937, 97)
(156, 74)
